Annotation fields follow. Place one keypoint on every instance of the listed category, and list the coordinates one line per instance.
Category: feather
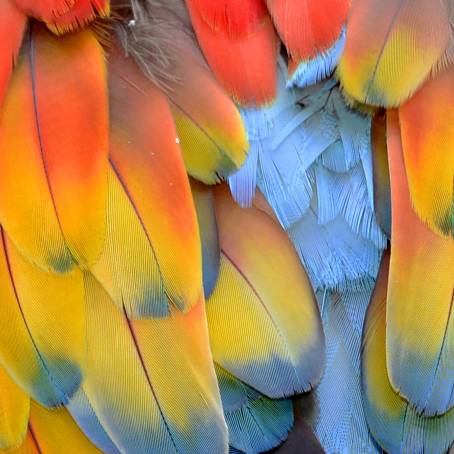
(241, 47)
(42, 327)
(308, 72)
(391, 48)
(12, 25)
(63, 16)
(309, 28)
(420, 298)
(382, 189)
(212, 137)
(141, 406)
(337, 414)
(427, 142)
(14, 412)
(393, 421)
(83, 413)
(59, 213)
(148, 164)
(127, 267)
(55, 431)
(253, 336)
(256, 423)
(211, 253)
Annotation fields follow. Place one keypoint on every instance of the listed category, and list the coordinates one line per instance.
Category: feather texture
(141, 407)
(212, 137)
(147, 162)
(308, 28)
(240, 45)
(12, 25)
(256, 423)
(254, 336)
(55, 430)
(58, 86)
(391, 48)
(211, 253)
(421, 368)
(14, 412)
(427, 143)
(42, 327)
(393, 421)
(63, 16)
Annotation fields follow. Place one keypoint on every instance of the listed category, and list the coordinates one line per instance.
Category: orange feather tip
(236, 18)
(308, 28)
(63, 16)
(427, 141)
(245, 66)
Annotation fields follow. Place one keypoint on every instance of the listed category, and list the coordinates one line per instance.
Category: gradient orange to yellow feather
(420, 296)
(392, 47)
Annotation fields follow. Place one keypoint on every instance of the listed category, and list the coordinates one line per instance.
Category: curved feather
(42, 334)
(391, 48)
(147, 161)
(14, 412)
(209, 127)
(393, 421)
(256, 423)
(12, 25)
(419, 315)
(245, 64)
(58, 86)
(260, 305)
(308, 28)
(142, 407)
(427, 142)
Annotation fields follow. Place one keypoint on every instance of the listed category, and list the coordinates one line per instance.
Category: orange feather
(148, 163)
(56, 208)
(244, 63)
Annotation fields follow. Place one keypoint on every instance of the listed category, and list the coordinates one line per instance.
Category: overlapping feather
(393, 421)
(420, 297)
(253, 335)
(58, 85)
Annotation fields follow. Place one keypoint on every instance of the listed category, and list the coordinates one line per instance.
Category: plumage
(427, 140)
(309, 29)
(211, 252)
(12, 26)
(147, 161)
(58, 85)
(14, 412)
(392, 47)
(246, 304)
(420, 297)
(393, 421)
(55, 430)
(64, 16)
(256, 423)
(240, 45)
(42, 327)
(141, 406)
(210, 132)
